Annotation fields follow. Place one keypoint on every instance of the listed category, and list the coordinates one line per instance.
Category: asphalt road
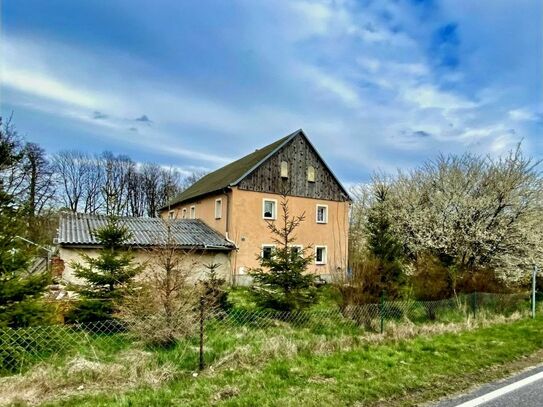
(523, 390)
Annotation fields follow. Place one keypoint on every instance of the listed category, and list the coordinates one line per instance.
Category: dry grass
(78, 376)
(131, 369)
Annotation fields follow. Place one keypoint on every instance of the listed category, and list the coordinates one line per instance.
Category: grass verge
(394, 369)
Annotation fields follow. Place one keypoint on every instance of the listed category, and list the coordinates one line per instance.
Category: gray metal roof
(77, 229)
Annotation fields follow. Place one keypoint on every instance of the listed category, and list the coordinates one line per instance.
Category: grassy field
(282, 365)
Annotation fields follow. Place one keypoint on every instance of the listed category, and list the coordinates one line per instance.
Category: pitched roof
(233, 173)
(77, 229)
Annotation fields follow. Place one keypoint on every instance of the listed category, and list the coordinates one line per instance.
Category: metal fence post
(534, 278)
(382, 310)
(202, 362)
(474, 304)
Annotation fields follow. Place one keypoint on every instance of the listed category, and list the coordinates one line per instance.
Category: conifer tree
(383, 244)
(20, 292)
(281, 282)
(107, 277)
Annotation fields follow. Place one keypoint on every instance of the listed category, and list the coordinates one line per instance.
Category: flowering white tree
(473, 212)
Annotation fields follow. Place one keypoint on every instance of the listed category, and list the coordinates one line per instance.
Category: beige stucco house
(240, 199)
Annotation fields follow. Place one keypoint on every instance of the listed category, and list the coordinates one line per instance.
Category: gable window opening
(218, 208)
(267, 251)
(269, 209)
(284, 169)
(184, 213)
(193, 212)
(311, 174)
(320, 254)
(322, 213)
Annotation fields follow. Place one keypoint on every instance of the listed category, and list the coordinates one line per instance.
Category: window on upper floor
(269, 209)
(218, 208)
(311, 173)
(184, 212)
(171, 214)
(322, 213)
(284, 169)
(267, 251)
(320, 254)
(193, 212)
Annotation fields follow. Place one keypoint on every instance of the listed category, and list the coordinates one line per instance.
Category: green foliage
(20, 292)
(281, 283)
(214, 289)
(384, 247)
(107, 277)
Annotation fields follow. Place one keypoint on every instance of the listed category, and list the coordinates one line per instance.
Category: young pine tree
(107, 277)
(281, 283)
(20, 292)
(383, 245)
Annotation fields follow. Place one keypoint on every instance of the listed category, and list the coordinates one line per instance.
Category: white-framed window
(322, 213)
(320, 254)
(284, 169)
(311, 173)
(184, 212)
(193, 212)
(171, 214)
(296, 249)
(269, 208)
(218, 208)
(267, 251)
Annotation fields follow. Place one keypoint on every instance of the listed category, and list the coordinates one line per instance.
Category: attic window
(311, 173)
(284, 169)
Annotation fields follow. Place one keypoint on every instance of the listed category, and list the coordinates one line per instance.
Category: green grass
(301, 370)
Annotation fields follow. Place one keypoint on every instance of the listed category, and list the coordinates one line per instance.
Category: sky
(376, 85)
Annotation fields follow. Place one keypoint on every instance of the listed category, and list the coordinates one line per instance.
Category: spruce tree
(383, 245)
(281, 282)
(107, 277)
(20, 292)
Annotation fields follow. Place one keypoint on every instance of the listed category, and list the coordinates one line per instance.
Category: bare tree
(162, 310)
(38, 173)
(117, 170)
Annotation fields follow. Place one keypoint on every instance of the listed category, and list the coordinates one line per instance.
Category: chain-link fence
(218, 334)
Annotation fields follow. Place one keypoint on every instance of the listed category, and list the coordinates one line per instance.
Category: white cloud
(428, 96)
(522, 114)
(37, 84)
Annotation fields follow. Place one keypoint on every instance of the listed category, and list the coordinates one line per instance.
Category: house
(239, 199)
(203, 244)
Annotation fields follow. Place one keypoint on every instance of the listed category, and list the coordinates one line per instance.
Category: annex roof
(77, 229)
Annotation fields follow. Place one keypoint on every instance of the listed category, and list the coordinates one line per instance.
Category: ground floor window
(267, 251)
(320, 254)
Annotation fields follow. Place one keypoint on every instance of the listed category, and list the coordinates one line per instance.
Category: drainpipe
(228, 218)
(233, 269)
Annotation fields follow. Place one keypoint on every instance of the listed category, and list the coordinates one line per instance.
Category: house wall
(250, 231)
(196, 261)
(205, 210)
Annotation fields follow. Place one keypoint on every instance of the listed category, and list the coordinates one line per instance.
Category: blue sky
(375, 84)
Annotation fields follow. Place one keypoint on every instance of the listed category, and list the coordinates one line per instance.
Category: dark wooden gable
(299, 154)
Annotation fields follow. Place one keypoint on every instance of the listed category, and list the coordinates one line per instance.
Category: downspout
(228, 218)
(233, 268)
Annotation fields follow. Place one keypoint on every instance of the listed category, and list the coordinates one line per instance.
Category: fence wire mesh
(217, 336)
